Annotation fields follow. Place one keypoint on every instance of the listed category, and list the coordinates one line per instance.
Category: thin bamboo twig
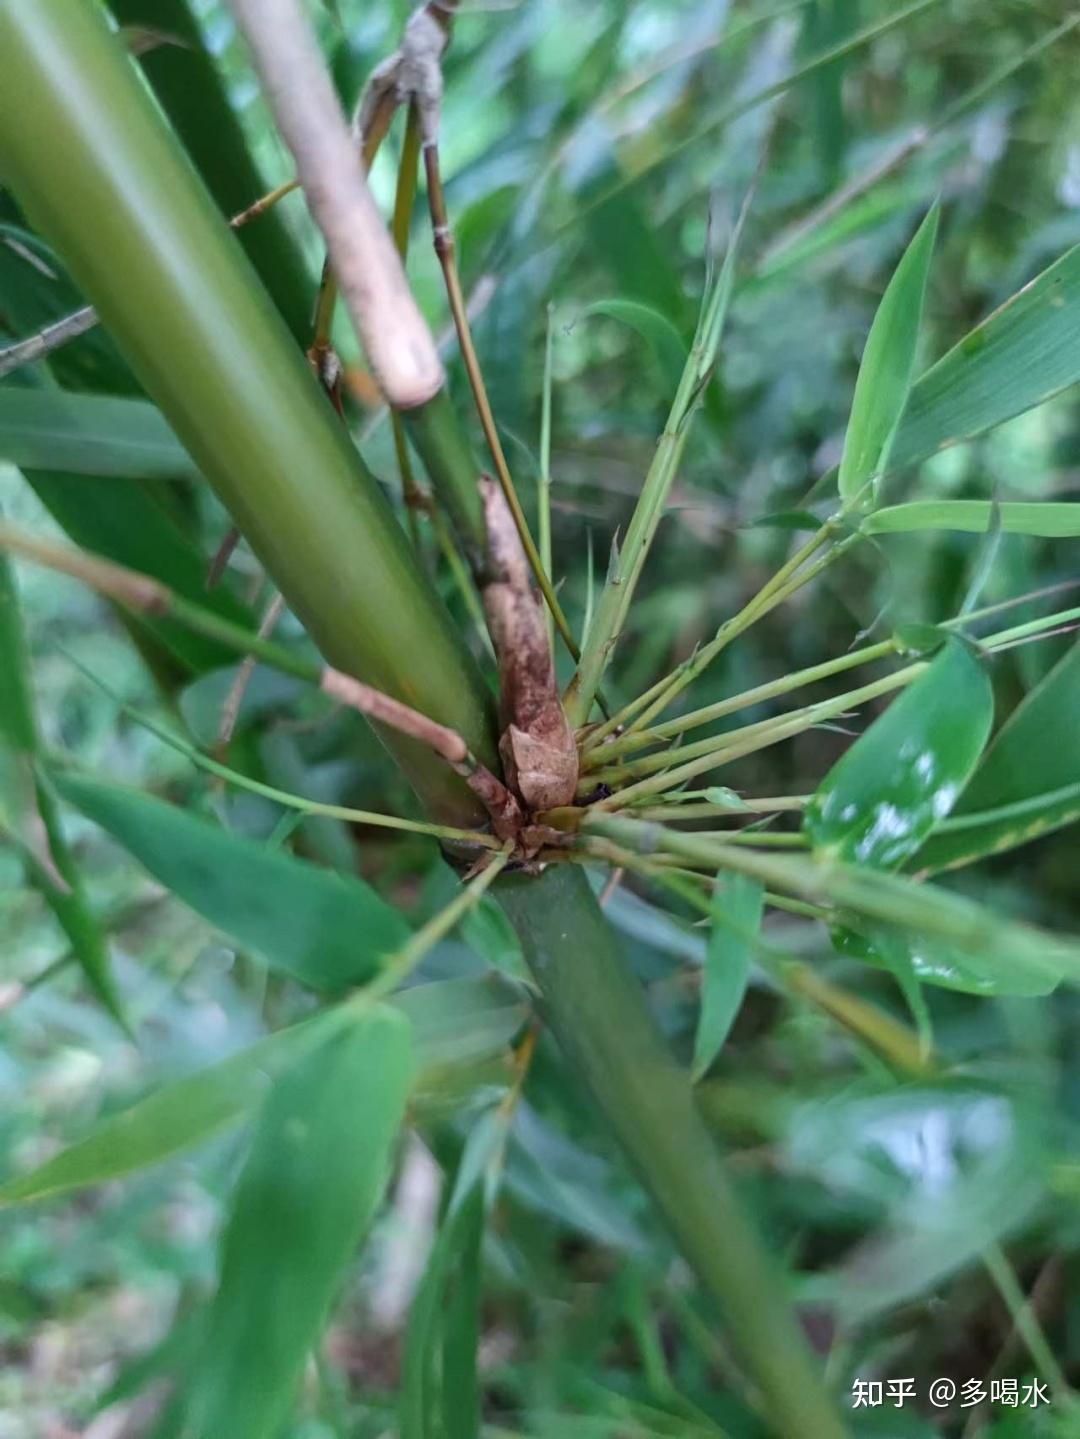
(791, 578)
(640, 739)
(400, 965)
(308, 807)
(543, 494)
(79, 322)
(752, 738)
(377, 127)
(404, 198)
(628, 562)
(145, 595)
(446, 251)
(230, 710)
(368, 269)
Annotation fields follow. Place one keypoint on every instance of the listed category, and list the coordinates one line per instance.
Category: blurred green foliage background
(596, 158)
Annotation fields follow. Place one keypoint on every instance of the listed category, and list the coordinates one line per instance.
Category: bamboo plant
(530, 792)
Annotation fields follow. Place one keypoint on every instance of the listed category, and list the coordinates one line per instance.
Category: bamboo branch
(79, 322)
(395, 336)
(445, 250)
(308, 808)
(149, 596)
(628, 561)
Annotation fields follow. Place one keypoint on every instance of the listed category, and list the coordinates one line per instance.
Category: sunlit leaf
(310, 1186)
(325, 930)
(738, 904)
(881, 391)
(905, 773)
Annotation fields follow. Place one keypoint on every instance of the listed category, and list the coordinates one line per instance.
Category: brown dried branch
(537, 745)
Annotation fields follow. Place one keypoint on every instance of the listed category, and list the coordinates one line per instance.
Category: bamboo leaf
(1029, 781)
(904, 774)
(310, 1186)
(89, 435)
(881, 391)
(920, 959)
(128, 521)
(1021, 355)
(440, 1397)
(456, 1023)
(172, 1119)
(662, 337)
(738, 905)
(1046, 519)
(325, 930)
(28, 811)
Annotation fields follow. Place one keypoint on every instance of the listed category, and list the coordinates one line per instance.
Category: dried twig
(149, 596)
(537, 745)
(395, 336)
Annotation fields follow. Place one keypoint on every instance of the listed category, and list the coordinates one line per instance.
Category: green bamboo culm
(598, 1013)
(91, 160)
(193, 95)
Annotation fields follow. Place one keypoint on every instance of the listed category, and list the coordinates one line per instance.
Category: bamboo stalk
(599, 1015)
(88, 155)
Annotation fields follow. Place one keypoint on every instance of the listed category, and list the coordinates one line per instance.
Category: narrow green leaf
(904, 774)
(17, 726)
(89, 435)
(172, 1119)
(309, 1189)
(456, 1023)
(738, 905)
(1047, 519)
(917, 959)
(1024, 353)
(1029, 782)
(28, 810)
(326, 930)
(881, 391)
(667, 345)
(440, 1396)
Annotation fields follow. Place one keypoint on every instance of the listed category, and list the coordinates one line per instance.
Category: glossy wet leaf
(309, 1188)
(326, 930)
(993, 945)
(1021, 355)
(1029, 781)
(1047, 519)
(737, 908)
(954, 1168)
(884, 382)
(917, 959)
(904, 774)
(89, 435)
